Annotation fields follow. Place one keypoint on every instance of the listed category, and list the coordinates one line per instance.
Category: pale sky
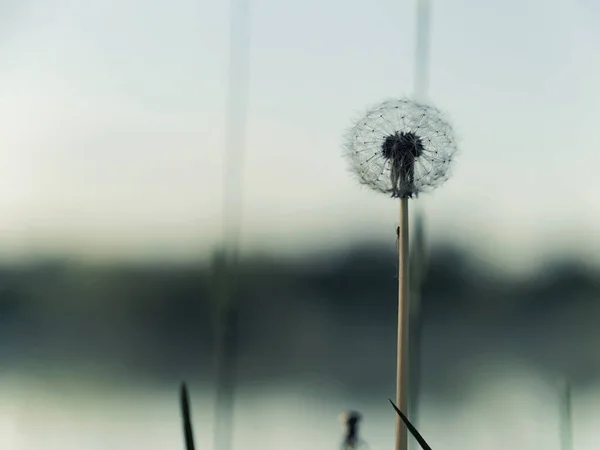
(113, 116)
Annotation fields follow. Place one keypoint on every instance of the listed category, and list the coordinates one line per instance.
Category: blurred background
(174, 206)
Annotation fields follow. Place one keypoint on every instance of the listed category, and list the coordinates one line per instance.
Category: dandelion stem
(403, 310)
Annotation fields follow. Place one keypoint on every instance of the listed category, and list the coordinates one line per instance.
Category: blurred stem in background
(224, 278)
(421, 81)
(418, 253)
(418, 271)
(225, 264)
(566, 418)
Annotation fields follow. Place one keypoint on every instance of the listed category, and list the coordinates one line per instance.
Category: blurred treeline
(317, 315)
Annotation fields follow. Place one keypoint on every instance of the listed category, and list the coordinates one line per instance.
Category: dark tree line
(155, 318)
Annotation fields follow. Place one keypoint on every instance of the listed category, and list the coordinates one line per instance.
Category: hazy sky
(113, 117)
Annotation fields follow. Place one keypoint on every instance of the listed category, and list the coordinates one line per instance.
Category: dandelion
(402, 148)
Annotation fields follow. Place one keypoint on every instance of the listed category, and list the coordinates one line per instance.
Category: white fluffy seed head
(363, 145)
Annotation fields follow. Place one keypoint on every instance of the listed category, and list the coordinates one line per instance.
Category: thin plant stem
(403, 316)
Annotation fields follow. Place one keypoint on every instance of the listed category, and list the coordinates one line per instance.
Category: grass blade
(186, 416)
(412, 429)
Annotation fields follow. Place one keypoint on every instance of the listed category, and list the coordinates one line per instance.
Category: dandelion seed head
(401, 147)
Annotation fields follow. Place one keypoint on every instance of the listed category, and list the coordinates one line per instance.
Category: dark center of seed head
(400, 146)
